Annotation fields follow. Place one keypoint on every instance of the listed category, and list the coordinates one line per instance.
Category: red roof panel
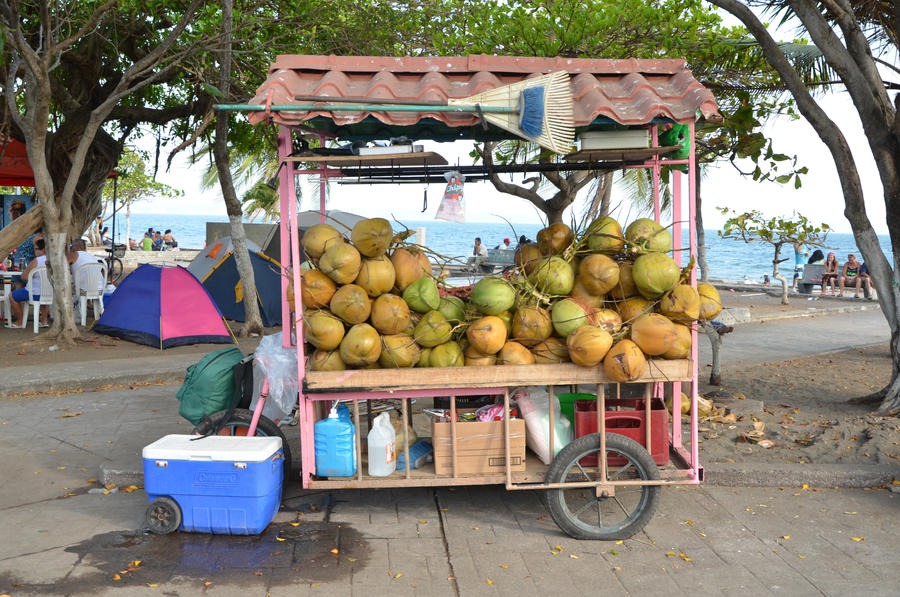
(630, 92)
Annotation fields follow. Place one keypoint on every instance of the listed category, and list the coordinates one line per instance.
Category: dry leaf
(258, 573)
(423, 522)
(573, 556)
(351, 560)
(334, 550)
(617, 568)
(116, 577)
(849, 512)
(398, 575)
(620, 542)
(765, 443)
(504, 566)
(135, 564)
(207, 583)
(152, 584)
(804, 486)
(70, 415)
(785, 536)
(685, 558)
(801, 557)
(858, 538)
(671, 553)
(490, 582)
(280, 539)
(295, 524)
(690, 522)
(558, 547)
(613, 552)
(554, 552)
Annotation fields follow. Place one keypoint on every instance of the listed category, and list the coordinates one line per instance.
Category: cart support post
(692, 198)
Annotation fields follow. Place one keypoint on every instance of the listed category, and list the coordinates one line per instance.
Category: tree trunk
(55, 238)
(715, 342)
(21, 228)
(128, 225)
(701, 234)
(252, 319)
(777, 276)
(599, 206)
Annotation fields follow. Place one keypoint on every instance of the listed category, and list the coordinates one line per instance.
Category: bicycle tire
(562, 503)
(115, 269)
(238, 424)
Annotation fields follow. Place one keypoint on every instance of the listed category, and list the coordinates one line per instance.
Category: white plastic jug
(382, 456)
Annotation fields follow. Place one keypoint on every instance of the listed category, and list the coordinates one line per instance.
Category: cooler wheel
(163, 516)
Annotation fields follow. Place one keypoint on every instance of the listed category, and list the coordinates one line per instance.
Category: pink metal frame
(290, 259)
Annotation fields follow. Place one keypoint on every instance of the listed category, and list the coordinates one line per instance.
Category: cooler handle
(612, 417)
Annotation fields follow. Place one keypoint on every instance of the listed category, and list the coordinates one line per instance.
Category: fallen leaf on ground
(116, 577)
(70, 415)
(334, 550)
(850, 513)
(280, 539)
(490, 582)
(295, 524)
(785, 536)
(573, 556)
(351, 560)
(685, 558)
(504, 566)
(801, 557)
(858, 538)
(398, 575)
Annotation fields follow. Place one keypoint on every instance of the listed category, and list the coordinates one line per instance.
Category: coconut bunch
(615, 298)
(597, 298)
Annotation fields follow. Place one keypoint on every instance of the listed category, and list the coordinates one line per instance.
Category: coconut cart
(621, 110)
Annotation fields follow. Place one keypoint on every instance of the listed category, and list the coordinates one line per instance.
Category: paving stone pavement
(706, 540)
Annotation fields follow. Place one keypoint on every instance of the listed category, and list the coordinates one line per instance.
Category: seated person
(157, 244)
(504, 246)
(830, 276)
(20, 295)
(77, 256)
(147, 242)
(479, 252)
(850, 275)
(168, 240)
(104, 236)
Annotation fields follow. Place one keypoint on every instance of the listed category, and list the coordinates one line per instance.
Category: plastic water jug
(382, 453)
(335, 442)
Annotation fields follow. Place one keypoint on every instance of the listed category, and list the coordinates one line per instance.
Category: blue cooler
(219, 484)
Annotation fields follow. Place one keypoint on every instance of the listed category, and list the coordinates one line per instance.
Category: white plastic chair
(46, 297)
(90, 282)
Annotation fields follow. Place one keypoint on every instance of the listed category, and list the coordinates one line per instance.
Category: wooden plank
(438, 378)
(620, 155)
(421, 158)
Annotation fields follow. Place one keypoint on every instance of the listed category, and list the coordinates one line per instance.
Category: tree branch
(487, 155)
(88, 25)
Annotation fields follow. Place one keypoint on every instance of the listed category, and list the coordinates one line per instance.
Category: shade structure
(163, 307)
(216, 268)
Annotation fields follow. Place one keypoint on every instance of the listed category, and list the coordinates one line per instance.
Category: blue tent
(164, 307)
(216, 269)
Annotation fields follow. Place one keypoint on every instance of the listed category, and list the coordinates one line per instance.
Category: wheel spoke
(583, 472)
(622, 470)
(599, 515)
(624, 509)
(586, 506)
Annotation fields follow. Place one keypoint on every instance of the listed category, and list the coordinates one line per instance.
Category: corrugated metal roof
(628, 92)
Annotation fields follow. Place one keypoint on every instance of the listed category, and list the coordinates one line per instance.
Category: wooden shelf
(422, 158)
(620, 155)
(438, 378)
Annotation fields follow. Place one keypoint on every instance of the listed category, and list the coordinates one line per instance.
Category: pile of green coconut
(597, 297)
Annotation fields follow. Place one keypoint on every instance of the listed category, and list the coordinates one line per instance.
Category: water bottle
(335, 443)
(382, 460)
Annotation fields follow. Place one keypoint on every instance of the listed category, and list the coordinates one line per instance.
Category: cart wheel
(163, 515)
(580, 513)
(238, 425)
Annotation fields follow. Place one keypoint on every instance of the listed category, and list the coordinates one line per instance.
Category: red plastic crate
(629, 423)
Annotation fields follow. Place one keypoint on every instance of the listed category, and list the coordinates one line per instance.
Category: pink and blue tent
(164, 307)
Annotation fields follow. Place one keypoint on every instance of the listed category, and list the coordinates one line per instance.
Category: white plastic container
(382, 451)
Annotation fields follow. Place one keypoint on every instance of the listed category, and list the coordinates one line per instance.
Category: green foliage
(134, 183)
(752, 226)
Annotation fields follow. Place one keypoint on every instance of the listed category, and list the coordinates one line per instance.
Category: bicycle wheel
(580, 512)
(115, 269)
(239, 423)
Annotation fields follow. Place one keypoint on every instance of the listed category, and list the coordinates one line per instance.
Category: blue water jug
(335, 440)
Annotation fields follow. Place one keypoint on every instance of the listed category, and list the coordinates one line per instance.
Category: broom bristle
(546, 113)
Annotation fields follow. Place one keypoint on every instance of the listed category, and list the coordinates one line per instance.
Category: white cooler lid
(218, 448)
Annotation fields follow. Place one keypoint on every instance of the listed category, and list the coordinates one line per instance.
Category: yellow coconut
(351, 303)
(432, 329)
(398, 350)
(376, 276)
(528, 256)
(424, 358)
(514, 353)
(318, 238)
(625, 287)
(409, 267)
(487, 335)
(685, 404)
(710, 302)
(598, 274)
(531, 325)
(551, 350)
(326, 360)
(341, 263)
(390, 315)
(632, 308)
(588, 345)
(322, 329)
(554, 239)
(447, 354)
(681, 347)
(681, 304)
(316, 289)
(608, 320)
(372, 236)
(580, 292)
(361, 346)
(624, 362)
(478, 359)
(605, 236)
(653, 333)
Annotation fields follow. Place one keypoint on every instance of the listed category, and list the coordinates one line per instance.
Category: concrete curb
(848, 476)
(79, 376)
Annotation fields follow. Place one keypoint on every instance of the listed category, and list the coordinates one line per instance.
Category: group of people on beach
(480, 251)
(836, 275)
(154, 240)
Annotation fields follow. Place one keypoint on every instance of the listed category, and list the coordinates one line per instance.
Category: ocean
(729, 259)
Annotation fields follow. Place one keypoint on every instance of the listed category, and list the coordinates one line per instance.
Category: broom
(540, 109)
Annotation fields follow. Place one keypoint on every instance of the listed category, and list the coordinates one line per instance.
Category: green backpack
(209, 385)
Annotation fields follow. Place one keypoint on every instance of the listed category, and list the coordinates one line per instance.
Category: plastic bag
(534, 406)
(278, 364)
(453, 206)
